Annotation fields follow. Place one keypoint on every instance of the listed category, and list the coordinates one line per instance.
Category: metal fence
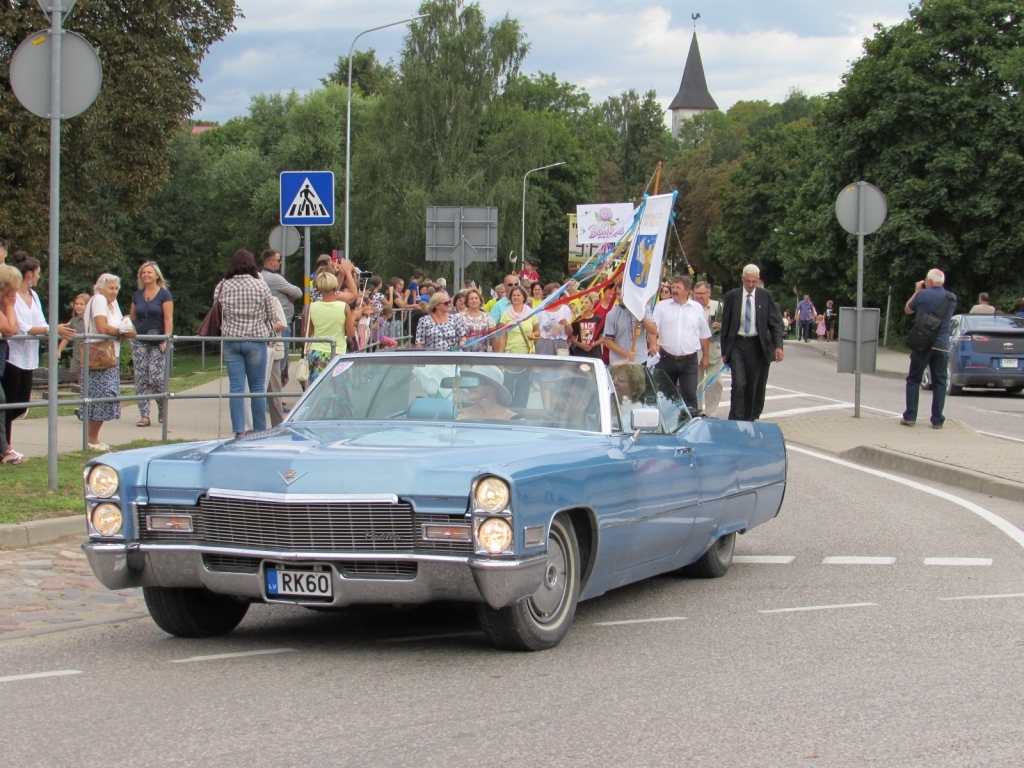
(376, 338)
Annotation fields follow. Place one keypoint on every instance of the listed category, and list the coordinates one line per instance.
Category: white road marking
(239, 655)
(37, 675)
(982, 597)
(858, 560)
(766, 559)
(799, 411)
(958, 561)
(819, 608)
(638, 621)
(1003, 525)
(791, 396)
(430, 637)
(1004, 437)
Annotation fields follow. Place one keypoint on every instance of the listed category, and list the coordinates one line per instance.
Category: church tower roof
(693, 90)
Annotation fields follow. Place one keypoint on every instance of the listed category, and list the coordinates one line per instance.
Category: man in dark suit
(751, 340)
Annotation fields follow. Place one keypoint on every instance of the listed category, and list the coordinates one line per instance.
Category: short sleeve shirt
(149, 315)
(588, 331)
(442, 336)
(620, 327)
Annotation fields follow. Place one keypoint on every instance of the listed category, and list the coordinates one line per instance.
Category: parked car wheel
(1014, 390)
(951, 388)
(193, 612)
(714, 563)
(543, 619)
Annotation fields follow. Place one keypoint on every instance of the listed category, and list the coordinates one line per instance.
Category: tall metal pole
(348, 120)
(56, 33)
(888, 307)
(860, 298)
(306, 266)
(522, 244)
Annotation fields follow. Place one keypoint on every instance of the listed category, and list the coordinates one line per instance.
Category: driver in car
(487, 398)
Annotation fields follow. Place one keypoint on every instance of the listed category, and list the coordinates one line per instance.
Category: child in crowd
(821, 327)
(77, 324)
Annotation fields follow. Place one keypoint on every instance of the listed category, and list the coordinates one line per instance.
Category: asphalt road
(804, 370)
(804, 662)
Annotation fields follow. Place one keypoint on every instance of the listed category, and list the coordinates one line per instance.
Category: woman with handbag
(23, 356)
(152, 312)
(328, 318)
(10, 281)
(103, 316)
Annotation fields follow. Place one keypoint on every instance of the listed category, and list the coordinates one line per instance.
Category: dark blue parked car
(984, 351)
(407, 478)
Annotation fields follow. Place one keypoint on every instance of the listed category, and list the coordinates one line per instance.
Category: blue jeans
(247, 360)
(936, 360)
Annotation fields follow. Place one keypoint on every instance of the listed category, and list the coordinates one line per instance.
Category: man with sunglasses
(501, 305)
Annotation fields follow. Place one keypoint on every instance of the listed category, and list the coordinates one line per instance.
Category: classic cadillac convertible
(523, 484)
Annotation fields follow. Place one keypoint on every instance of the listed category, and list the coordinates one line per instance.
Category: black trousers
(684, 373)
(17, 386)
(749, 378)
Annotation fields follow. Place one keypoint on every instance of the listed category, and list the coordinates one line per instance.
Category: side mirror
(644, 420)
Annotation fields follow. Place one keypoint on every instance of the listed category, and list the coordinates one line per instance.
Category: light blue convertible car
(521, 483)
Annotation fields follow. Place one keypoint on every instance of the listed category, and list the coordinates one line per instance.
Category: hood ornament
(290, 476)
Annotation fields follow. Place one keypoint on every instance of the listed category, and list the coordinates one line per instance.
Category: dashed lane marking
(799, 411)
(638, 621)
(1003, 525)
(37, 675)
(958, 561)
(793, 395)
(239, 655)
(1003, 437)
(982, 597)
(819, 608)
(841, 560)
(764, 559)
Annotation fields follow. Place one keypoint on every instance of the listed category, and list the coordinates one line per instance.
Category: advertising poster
(603, 222)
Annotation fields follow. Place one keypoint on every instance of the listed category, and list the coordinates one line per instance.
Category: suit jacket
(768, 320)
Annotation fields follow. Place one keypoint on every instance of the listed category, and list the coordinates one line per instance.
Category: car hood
(404, 459)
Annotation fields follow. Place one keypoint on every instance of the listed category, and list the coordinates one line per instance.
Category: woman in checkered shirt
(247, 309)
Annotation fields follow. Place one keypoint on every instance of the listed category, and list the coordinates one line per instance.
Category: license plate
(285, 583)
(1008, 362)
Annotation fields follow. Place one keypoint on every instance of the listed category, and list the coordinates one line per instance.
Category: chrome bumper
(469, 579)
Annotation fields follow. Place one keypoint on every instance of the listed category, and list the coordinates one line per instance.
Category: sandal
(143, 422)
(12, 457)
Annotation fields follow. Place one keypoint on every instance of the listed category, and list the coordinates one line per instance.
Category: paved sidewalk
(889, 363)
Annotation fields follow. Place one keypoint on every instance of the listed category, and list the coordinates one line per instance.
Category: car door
(665, 476)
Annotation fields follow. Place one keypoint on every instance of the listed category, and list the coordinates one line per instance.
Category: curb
(881, 373)
(885, 458)
(15, 535)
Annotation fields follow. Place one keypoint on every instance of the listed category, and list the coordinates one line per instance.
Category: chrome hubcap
(548, 599)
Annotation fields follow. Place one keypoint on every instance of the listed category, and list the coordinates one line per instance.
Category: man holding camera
(930, 297)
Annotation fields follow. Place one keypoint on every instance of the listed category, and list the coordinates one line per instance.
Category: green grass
(25, 492)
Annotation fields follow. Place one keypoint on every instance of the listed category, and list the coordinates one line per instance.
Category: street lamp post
(348, 115)
(522, 245)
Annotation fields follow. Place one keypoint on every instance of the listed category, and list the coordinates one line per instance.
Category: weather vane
(695, 16)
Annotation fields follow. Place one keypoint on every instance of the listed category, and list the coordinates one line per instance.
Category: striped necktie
(749, 316)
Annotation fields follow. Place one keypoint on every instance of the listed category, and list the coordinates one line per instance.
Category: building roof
(693, 90)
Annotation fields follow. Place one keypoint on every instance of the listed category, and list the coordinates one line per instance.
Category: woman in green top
(518, 340)
(330, 318)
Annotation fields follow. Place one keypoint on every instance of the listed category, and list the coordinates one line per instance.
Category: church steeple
(693, 97)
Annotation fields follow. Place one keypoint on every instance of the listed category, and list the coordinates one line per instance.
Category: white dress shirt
(743, 313)
(680, 326)
(25, 354)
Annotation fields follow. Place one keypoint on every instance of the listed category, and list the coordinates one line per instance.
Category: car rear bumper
(989, 378)
(400, 578)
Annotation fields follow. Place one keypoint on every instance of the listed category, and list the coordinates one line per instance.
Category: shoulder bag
(211, 325)
(101, 353)
(922, 336)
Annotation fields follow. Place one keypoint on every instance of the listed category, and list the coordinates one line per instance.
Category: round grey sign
(81, 74)
(285, 240)
(861, 208)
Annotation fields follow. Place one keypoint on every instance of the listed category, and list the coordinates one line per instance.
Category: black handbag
(922, 336)
(211, 325)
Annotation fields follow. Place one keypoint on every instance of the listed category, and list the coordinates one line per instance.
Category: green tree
(371, 77)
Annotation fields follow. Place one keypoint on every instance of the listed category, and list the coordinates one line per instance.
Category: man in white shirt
(683, 332)
(712, 394)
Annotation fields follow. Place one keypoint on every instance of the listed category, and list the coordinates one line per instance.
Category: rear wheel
(541, 621)
(193, 612)
(950, 387)
(1015, 390)
(714, 563)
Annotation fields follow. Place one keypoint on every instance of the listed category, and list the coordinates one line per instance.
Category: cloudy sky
(752, 49)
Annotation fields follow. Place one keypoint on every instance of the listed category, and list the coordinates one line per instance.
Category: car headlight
(106, 519)
(491, 494)
(102, 481)
(495, 535)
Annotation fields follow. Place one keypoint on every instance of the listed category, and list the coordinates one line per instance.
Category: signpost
(461, 236)
(55, 75)
(286, 241)
(307, 200)
(861, 210)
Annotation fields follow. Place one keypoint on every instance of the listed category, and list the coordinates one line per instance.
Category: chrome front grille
(305, 527)
(231, 563)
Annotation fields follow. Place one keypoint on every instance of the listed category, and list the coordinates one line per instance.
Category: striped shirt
(247, 306)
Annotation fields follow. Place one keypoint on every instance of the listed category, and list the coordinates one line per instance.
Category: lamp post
(348, 116)
(522, 245)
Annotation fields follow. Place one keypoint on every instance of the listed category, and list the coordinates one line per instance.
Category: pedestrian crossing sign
(307, 198)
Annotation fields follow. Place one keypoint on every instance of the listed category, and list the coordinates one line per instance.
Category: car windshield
(562, 394)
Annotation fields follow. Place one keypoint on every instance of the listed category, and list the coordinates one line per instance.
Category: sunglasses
(445, 304)
(511, 285)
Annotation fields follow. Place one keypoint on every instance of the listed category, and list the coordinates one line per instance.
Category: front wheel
(541, 621)
(193, 612)
(714, 563)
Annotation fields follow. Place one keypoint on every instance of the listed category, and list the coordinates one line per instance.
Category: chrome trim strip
(304, 498)
(277, 556)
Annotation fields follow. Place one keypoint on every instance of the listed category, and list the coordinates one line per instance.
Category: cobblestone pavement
(50, 586)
